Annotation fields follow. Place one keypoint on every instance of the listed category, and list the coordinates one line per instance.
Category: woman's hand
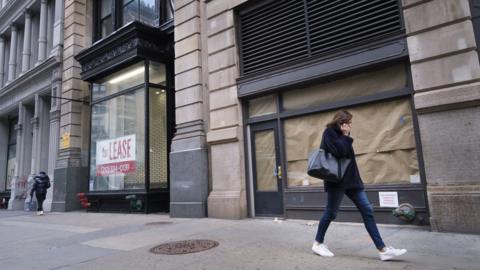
(345, 128)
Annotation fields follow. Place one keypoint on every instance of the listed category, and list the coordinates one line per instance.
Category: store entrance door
(267, 171)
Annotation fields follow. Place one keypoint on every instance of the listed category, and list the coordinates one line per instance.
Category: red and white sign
(116, 156)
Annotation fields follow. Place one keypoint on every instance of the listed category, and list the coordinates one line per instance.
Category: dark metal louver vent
(283, 31)
(273, 34)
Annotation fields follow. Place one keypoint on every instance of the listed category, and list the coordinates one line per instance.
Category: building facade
(31, 44)
(211, 107)
(260, 79)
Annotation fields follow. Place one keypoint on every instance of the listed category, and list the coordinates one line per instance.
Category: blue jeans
(359, 198)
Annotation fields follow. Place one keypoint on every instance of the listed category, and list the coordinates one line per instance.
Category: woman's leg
(334, 198)
(359, 198)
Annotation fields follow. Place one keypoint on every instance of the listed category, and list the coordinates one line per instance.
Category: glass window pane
(158, 138)
(265, 161)
(130, 12)
(170, 8)
(392, 78)
(12, 133)
(118, 81)
(106, 8)
(12, 157)
(384, 143)
(117, 154)
(107, 26)
(148, 11)
(157, 73)
(262, 106)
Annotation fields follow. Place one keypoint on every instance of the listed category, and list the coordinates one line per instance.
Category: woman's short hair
(340, 117)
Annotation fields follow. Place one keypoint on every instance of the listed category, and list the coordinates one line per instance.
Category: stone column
(225, 136)
(12, 63)
(189, 155)
(54, 135)
(35, 156)
(23, 156)
(42, 36)
(57, 42)
(71, 168)
(2, 59)
(27, 41)
(40, 122)
(446, 78)
(3, 150)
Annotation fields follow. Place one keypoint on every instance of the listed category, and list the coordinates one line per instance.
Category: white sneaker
(390, 253)
(41, 213)
(38, 213)
(322, 250)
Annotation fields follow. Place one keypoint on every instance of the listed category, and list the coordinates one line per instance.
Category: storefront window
(262, 106)
(384, 143)
(392, 78)
(124, 79)
(156, 73)
(117, 155)
(158, 138)
(119, 133)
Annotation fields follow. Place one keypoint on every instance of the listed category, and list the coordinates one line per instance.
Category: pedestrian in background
(41, 183)
(337, 141)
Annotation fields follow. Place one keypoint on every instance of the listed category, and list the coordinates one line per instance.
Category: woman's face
(347, 124)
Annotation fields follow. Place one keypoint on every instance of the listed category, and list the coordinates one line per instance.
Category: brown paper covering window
(391, 78)
(262, 106)
(265, 161)
(383, 141)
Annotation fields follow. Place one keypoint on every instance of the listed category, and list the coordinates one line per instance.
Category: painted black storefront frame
(131, 44)
(162, 19)
(98, 198)
(315, 196)
(372, 54)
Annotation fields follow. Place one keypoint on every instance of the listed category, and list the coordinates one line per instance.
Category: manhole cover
(158, 223)
(184, 247)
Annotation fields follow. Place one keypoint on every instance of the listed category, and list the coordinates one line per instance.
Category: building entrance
(267, 170)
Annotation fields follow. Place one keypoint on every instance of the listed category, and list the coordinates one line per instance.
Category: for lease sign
(116, 156)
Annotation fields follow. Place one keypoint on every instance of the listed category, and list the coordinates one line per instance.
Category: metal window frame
(281, 115)
(117, 16)
(146, 85)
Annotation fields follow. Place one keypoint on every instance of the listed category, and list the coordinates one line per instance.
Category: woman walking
(337, 141)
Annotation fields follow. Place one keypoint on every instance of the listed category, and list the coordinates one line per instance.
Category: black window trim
(116, 13)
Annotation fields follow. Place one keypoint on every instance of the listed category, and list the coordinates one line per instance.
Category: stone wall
(225, 135)
(189, 153)
(446, 75)
(74, 117)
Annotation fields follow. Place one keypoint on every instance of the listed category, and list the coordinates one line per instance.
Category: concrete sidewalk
(79, 240)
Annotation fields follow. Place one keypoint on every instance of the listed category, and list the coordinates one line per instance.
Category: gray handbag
(325, 166)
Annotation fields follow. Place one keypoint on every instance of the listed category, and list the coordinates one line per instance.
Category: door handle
(277, 172)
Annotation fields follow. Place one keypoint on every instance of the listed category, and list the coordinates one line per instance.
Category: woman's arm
(338, 145)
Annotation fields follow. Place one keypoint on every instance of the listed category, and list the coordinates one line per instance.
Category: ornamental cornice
(134, 41)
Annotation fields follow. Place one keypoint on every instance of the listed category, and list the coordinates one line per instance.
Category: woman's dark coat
(340, 146)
